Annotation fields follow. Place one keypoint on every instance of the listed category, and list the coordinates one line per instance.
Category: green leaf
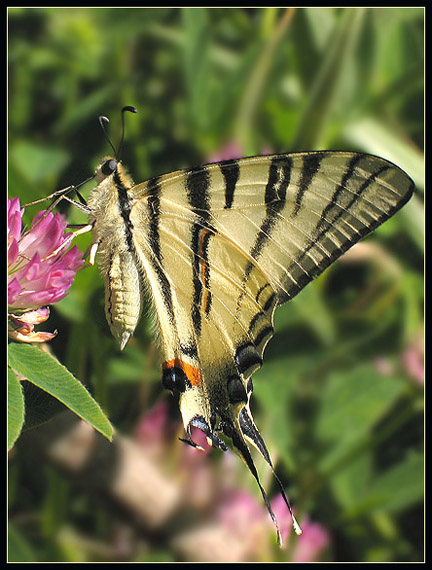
(274, 387)
(258, 79)
(15, 408)
(44, 371)
(321, 22)
(397, 488)
(19, 549)
(38, 163)
(332, 80)
(197, 62)
(352, 402)
(312, 310)
(349, 483)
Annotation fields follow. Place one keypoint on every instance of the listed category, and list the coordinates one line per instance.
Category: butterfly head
(112, 171)
(107, 167)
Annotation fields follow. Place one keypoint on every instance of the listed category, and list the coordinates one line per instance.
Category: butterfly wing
(222, 245)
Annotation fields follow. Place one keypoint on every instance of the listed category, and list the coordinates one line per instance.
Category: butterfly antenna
(102, 121)
(130, 110)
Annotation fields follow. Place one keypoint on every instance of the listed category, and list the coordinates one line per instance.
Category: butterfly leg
(60, 195)
(91, 252)
(69, 239)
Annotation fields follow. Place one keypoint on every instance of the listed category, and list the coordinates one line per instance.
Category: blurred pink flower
(283, 517)
(232, 518)
(153, 425)
(40, 270)
(232, 150)
(246, 520)
(311, 545)
(413, 362)
(383, 366)
(228, 151)
(240, 511)
(154, 430)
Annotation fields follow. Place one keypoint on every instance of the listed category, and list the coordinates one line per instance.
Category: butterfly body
(116, 259)
(218, 248)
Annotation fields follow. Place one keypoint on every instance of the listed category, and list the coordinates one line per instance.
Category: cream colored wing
(227, 242)
(218, 248)
(222, 245)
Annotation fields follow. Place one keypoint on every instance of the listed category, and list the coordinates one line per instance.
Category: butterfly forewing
(291, 214)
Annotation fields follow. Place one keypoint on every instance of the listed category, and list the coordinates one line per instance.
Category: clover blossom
(40, 270)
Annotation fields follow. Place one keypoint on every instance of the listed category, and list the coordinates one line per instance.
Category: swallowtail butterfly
(219, 248)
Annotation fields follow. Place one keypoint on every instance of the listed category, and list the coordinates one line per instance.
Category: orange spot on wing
(192, 374)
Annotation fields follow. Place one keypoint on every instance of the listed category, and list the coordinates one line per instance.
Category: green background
(345, 430)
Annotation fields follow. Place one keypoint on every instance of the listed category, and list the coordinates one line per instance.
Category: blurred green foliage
(341, 411)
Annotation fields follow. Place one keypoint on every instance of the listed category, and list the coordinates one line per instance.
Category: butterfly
(217, 249)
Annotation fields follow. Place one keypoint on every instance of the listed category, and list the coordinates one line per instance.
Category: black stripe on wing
(334, 213)
(154, 192)
(231, 172)
(249, 352)
(311, 166)
(198, 193)
(274, 197)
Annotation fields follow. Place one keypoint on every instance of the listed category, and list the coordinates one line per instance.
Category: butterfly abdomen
(123, 303)
(117, 259)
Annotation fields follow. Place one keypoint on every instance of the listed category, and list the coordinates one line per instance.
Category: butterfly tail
(243, 450)
(251, 434)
